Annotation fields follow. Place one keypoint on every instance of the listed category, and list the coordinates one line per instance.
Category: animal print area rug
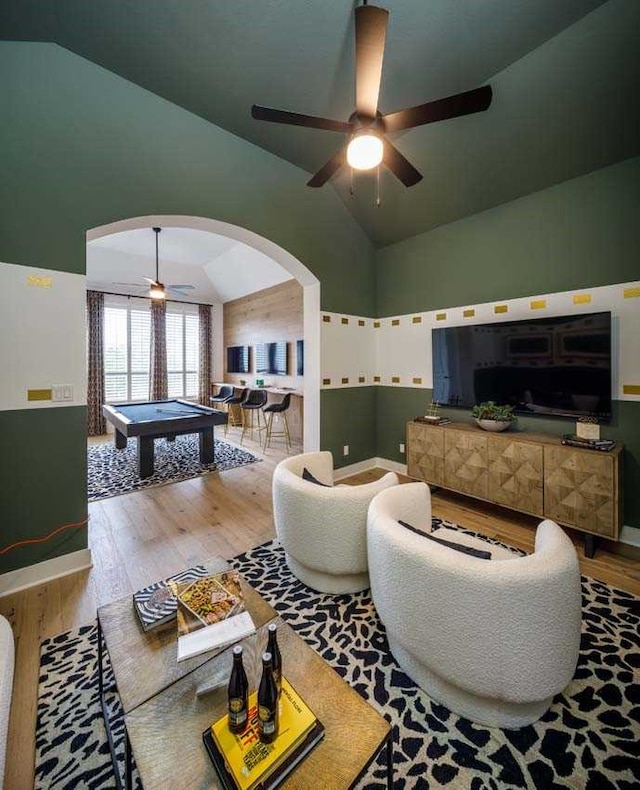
(112, 472)
(588, 740)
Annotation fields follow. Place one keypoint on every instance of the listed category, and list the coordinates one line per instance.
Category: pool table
(162, 418)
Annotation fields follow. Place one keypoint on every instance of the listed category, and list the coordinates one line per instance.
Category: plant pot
(493, 425)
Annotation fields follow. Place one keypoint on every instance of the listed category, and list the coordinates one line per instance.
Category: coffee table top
(166, 731)
(146, 663)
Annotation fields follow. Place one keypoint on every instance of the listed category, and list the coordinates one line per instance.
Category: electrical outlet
(401, 448)
(345, 450)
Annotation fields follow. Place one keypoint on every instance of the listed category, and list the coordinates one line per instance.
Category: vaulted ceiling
(565, 77)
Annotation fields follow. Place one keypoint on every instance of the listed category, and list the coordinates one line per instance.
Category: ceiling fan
(367, 145)
(158, 290)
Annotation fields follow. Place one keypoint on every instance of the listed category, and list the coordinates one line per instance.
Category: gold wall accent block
(501, 308)
(326, 382)
(631, 293)
(417, 319)
(417, 380)
(362, 322)
(538, 304)
(395, 322)
(44, 394)
(376, 324)
(395, 379)
(345, 379)
(361, 379)
(581, 298)
(326, 319)
(345, 320)
(631, 389)
(468, 313)
(441, 316)
(39, 281)
(377, 379)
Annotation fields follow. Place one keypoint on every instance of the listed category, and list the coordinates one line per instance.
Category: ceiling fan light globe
(157, 292)
(364, 152)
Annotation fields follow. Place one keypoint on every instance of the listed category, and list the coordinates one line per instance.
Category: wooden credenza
(531, 473)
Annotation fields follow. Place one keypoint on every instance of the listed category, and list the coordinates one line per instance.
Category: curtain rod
(132, 296)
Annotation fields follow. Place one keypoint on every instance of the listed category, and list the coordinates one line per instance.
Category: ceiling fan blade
(371, 32)
(399, 166)
(297, 119)
(331, 167)
(466, 103)
(181, 287)
(149, 280)
(130, 285)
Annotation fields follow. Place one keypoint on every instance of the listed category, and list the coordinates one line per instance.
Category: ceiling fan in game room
(158, 290)
(366, 145)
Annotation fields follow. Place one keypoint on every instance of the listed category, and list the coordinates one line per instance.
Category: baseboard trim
(630, 536)
(42, 572)
(365, 466)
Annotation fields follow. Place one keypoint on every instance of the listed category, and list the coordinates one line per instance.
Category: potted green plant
(491, 416)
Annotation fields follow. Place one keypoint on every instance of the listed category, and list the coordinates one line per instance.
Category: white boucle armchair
(6, 686)
(323, 529)
(493, 640)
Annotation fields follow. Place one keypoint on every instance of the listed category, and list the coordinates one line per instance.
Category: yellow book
(253, 764)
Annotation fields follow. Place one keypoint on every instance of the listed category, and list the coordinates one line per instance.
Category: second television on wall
(271, 358)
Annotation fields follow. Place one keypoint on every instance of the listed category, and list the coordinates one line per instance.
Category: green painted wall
(82, 148)
(346, 417)
(42, 482)
(582, 233)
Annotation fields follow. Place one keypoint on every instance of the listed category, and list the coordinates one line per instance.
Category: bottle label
(237, 711)
(267, 720)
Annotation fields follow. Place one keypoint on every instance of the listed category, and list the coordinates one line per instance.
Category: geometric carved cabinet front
(580, 489)
(425, 453)
(515, 474)
(465, 463)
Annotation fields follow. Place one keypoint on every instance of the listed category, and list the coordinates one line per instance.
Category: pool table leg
(145, 456)
(207, 453)
(120, 440)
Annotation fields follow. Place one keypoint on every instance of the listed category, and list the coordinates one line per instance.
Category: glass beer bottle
(276, 658)
(238, 694)
(267, 702)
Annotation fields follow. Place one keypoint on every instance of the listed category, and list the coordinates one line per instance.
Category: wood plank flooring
(141, 537)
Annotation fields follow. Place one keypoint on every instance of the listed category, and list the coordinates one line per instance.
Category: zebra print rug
(588, 740)
(112, 472)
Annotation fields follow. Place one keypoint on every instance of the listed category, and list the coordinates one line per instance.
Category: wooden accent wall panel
(515, 474)
(465, 463)
(580, 488)
(425, 452)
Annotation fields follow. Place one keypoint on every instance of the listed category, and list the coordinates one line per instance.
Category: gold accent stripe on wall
(345, 320)
(395, 379)
(39, 394)
(376, 379)
(631, 293)
(417, 319)
(361, 322)
(345, 380)
(417, 380)
(468, 313)
(361, 379)
(501, 308)
(581, 298)
(395, 322)
(326, 382)
(376, 324)
(441, 316)
(538, 304)
(326, 319)
(631, 389)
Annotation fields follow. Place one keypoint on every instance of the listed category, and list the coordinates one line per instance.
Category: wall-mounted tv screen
(238, 359)
(299, 357)
(550, 366)
(271, 358)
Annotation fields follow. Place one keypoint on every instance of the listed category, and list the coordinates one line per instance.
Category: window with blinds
(183, 351)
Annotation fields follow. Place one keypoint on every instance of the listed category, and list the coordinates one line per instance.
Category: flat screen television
(271, 358)
(551, 366)
(238, 359)
(300, 357)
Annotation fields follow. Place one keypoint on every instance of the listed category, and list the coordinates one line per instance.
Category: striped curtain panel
(204, 351)
(96, 424)
(158, 383)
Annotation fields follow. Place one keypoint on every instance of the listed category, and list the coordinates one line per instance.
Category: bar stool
(280, 409)
(224, 393)
(235, 419)
(253, 403)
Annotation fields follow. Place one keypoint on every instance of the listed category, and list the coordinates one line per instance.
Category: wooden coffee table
(169, 705)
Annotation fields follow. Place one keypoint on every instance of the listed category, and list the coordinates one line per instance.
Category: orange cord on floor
(53, 532)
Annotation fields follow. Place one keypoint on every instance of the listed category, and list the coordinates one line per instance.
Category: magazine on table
(211, 613)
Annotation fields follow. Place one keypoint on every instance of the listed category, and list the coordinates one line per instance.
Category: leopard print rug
(588, 740)
(112, 472)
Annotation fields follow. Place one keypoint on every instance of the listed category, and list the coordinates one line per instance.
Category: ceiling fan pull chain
(352, 187)
(378, 186)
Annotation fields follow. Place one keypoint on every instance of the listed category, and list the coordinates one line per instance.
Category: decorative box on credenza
(531, 473)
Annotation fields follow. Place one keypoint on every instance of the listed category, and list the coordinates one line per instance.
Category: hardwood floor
(141, 537)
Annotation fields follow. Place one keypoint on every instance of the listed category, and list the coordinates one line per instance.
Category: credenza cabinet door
(581, 490)
(515, 474)
(465, 463)
(425, 453)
